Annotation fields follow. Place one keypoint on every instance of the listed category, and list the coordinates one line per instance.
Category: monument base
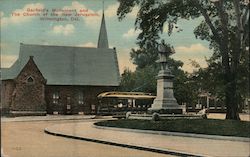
(165, 111)
(165, 102)
(166, 105)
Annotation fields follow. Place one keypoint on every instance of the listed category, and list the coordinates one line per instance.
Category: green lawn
(199, 126)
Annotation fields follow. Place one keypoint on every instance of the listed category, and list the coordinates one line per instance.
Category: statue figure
(165, 101)
(165, 50)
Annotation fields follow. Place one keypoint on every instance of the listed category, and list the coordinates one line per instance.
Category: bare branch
(239, 32)
(245, 16)
(223, 18)
(245, 36)
(225, 37)
(238, 16)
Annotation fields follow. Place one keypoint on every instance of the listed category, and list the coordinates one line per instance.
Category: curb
(144, 148)
(214, 137)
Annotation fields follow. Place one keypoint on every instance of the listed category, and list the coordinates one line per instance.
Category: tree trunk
(229, 64)
(231, 97)
(232, 113)
(230, 79)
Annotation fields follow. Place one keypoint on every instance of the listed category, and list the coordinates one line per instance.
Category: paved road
(243, 116)
(24, 137)
(190, 145)
(27, 139)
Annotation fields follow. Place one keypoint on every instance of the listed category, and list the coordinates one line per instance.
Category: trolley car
(117, 103)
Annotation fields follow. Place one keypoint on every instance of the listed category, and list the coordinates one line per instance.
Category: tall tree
(225, 25)
(144, 77)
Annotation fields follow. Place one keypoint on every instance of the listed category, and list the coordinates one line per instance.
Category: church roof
(103, 37)
(64, 65)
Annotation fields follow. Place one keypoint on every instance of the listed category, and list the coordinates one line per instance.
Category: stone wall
(29, 93)
(7, 88)
(69, 95)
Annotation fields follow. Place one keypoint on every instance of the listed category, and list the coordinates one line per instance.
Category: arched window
(30, 80)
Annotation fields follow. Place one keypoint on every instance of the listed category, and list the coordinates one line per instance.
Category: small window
(30, 80)
(55, 97)
(80, 98)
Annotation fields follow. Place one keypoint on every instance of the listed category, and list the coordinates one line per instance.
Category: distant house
(59, 79)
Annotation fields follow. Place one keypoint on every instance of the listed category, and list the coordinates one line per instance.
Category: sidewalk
(175, 145)
(46, 118)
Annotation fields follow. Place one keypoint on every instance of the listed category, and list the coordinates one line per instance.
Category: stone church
(59, 79)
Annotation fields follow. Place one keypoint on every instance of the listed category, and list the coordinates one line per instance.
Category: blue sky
(32, 30)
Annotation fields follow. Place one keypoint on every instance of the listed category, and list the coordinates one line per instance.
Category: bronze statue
(165, 50)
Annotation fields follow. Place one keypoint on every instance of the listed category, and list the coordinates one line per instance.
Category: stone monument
(165, 101)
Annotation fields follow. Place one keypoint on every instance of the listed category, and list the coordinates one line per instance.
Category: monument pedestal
(165, 101)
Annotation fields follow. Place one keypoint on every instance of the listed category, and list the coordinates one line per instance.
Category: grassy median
(198, 126)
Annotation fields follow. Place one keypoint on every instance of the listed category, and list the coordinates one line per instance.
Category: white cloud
(124, 61)
(188, 66)
(65, 30)
(187, 61)
(111, 10)
(91, 21)
(131, 33)
(196, 52)
(94, 21)
(76, 5)
(185, 58)
(88, 44)
(7, 60)
(192, 48)
(133, 13)
(21, 18)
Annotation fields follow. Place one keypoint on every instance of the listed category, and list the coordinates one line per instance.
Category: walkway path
(27, 139)
(188, 145)
(46, 118)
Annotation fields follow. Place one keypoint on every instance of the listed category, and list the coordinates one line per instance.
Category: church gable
(30, 73)
(29, 92)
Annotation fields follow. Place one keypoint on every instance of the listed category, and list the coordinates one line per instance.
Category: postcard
(90, 78)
